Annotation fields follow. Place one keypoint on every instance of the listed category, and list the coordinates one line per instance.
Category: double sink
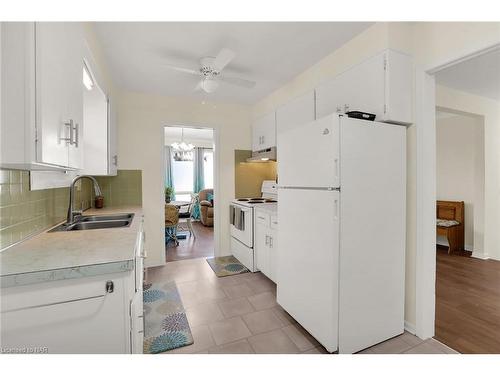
(96, 222)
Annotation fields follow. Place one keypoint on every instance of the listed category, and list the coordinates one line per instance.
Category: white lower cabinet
(95, 314)
(266, 244)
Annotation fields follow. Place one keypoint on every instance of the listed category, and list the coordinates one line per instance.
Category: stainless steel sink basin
(96, 222)
(106, 217)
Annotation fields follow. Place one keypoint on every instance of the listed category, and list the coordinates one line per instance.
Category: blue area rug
(165, 323)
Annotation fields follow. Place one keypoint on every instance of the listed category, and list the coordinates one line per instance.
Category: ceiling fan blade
(183, 70)
(237, 81)
(223, 58)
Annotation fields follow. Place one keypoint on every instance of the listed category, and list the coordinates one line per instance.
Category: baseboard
(480, 255)
(410, 327)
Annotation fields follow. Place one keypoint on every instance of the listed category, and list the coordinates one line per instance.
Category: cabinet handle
(267, 239)
(69, 140)
(270, 241)
(76, 133)
(261, 217)
(115, 160)
(54, 303)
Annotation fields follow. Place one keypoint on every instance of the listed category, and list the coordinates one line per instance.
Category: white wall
(460, 171)
(141, 121)
(489, 110)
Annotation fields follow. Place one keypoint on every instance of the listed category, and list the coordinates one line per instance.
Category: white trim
(409, 327)
(425, 108)
(480, 255)
(425, 274)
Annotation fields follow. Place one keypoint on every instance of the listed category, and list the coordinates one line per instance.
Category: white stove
(242, 221)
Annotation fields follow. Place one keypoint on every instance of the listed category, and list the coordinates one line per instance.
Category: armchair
(206, 207)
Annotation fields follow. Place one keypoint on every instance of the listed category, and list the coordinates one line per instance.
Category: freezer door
(308, 155)
(307, 267)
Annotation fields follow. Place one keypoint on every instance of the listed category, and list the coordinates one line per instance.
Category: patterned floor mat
(165, 323)
(226, 266)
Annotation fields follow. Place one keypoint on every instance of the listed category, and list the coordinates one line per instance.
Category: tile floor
(239, 314)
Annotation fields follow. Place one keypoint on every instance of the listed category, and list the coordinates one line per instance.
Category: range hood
(261, 156)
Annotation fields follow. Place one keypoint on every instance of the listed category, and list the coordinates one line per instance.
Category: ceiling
(479, 76)
(270, 53)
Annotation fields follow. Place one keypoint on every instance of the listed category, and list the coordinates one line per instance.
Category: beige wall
(489, 110)
(141, 121)
(460, 171)
(248, 177)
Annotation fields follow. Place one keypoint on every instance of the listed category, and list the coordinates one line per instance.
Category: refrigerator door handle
(330, 188)
(336, 161)
(336, 209)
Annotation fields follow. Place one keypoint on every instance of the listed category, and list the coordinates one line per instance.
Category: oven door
(244, 235)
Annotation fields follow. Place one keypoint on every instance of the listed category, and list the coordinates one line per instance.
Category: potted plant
(169, 193)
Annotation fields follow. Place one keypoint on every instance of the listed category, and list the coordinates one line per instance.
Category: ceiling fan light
(209, 85)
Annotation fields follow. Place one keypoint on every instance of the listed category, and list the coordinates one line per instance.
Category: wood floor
(467, 303)
(190, 248)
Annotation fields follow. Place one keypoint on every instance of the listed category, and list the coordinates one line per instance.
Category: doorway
(189, 192)
(467, 298)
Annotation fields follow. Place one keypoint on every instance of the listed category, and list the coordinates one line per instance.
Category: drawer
(274, 222)
(263, 218)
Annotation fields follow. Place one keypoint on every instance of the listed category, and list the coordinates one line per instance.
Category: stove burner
(255, 201)
(242, 200)
(270, 201)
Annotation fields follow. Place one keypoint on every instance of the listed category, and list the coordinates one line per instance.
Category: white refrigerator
(342, 215)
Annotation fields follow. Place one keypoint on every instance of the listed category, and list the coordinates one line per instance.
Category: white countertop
(74, 249)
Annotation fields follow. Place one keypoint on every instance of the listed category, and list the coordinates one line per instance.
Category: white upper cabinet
(42, 114)
(298, 111)
(100, 158)
(381, 85)
(264, 132)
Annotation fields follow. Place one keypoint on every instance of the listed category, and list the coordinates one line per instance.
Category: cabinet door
(59, 95)
(67, 316)
(264, 132)
(273, 254)
(112, 140)
(298, 111)
(261, 248)
(74, 86)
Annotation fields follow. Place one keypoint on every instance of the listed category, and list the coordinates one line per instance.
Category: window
(182, 171)
(208, 168)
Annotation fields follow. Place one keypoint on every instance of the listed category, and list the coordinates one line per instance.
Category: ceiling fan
(210, 72)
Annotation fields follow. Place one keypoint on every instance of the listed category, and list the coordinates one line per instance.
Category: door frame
(216, 148)
(425, 120)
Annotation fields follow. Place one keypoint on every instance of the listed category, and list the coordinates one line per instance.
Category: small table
(180, 204)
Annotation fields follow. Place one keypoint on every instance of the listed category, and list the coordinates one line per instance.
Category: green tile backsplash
(24, 212)
(124, 189)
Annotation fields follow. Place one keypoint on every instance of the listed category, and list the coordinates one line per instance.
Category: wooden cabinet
(381, 85)
(266, 244)
(42, 101)
(264, 132)
(298, 111)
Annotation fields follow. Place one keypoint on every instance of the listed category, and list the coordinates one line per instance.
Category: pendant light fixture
(183, 146)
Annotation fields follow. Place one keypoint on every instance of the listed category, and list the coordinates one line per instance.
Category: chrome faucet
(71, 213)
